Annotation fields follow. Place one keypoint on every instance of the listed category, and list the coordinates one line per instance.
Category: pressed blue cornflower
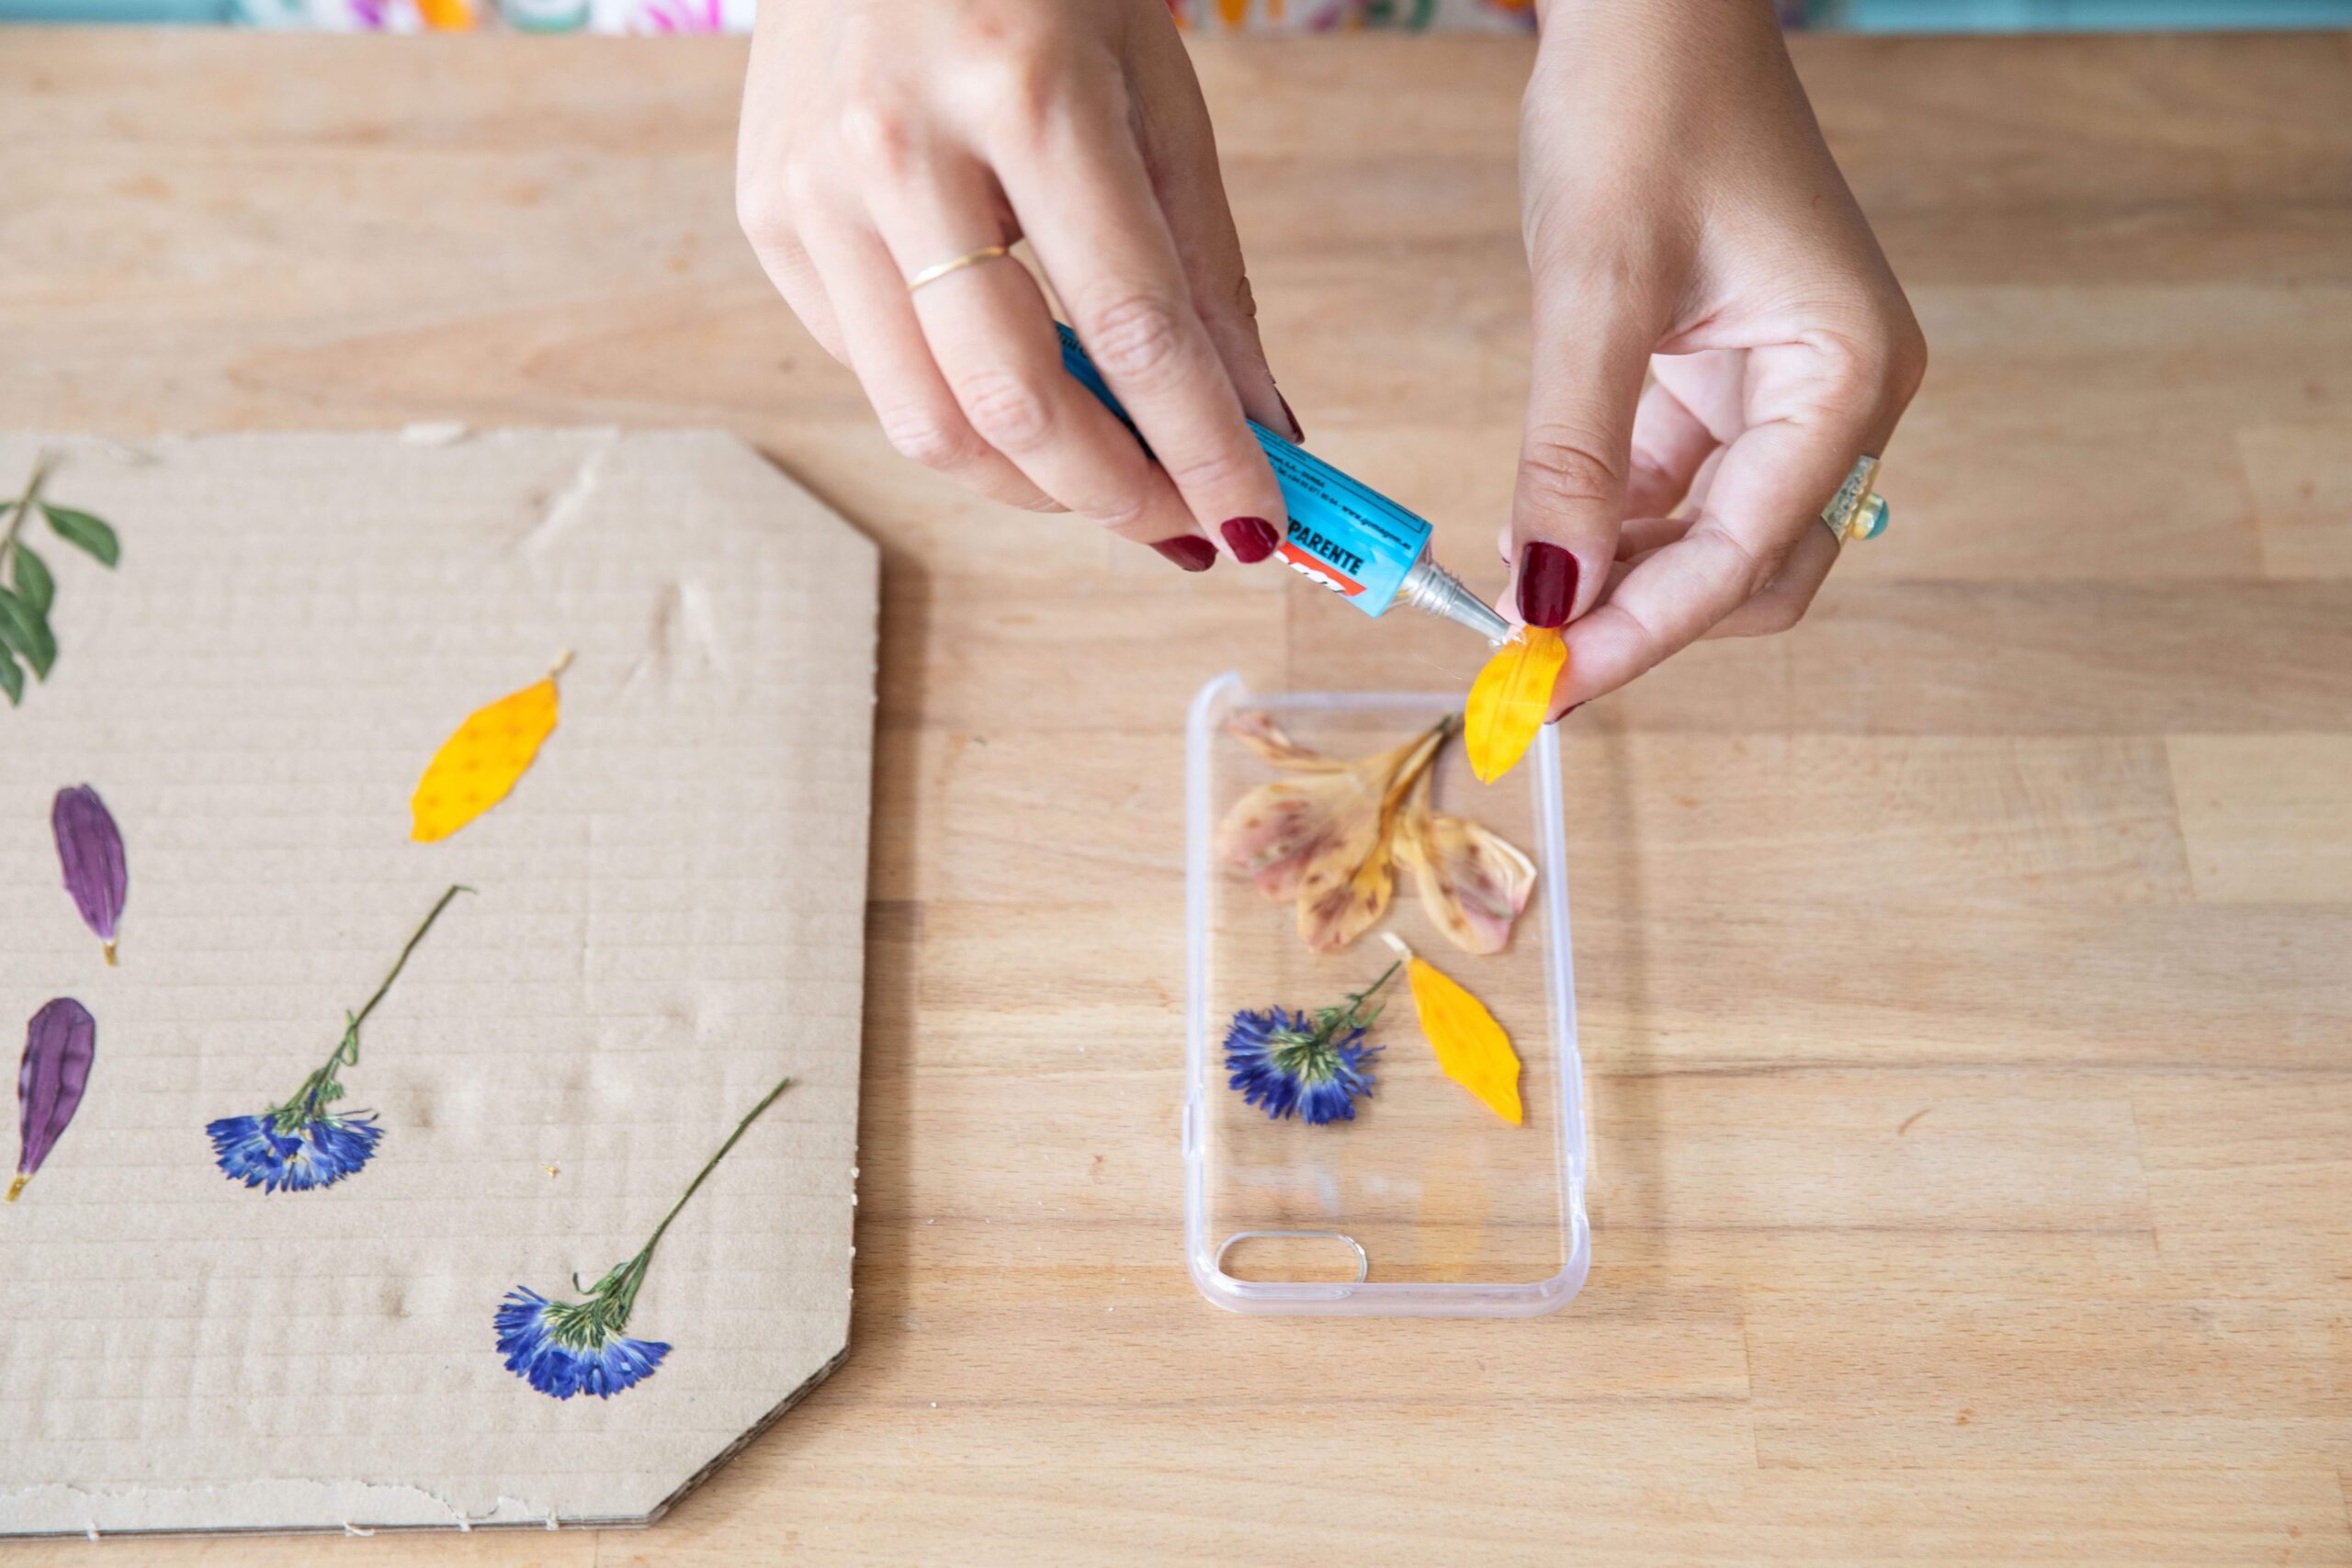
(1310, 1066)
(563, 1348)
(1280, 1061)
(301, 1144)
(567, 1347)
(317, 1151)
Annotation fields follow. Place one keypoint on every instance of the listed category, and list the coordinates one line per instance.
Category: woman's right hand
(882, 137)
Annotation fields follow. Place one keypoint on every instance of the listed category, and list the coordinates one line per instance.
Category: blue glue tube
(1349, 538)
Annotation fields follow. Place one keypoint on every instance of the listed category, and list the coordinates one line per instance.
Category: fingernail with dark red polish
(1188, 550)
(1296, 433)
(1252, 539)
(1547, 583)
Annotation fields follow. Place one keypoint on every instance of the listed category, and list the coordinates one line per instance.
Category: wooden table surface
(1966, 978)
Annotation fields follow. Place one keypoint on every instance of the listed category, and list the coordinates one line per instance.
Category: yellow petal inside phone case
(1471, 1047)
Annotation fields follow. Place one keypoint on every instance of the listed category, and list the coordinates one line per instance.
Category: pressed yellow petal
(1508, 701)
(1471, 1047)
(480, 762)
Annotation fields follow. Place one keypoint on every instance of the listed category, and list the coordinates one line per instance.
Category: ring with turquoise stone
(1856, 512)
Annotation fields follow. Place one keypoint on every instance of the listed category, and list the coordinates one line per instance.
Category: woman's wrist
(1654, 16)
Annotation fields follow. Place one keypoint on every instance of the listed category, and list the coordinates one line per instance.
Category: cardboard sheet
(667, 918)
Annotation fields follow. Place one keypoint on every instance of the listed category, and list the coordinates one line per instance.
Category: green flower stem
(618, 1288)
(1329, 1021)
(22, 507)
(401, 962)
(322, 1086)
(1357, 998)
(1310, 1057)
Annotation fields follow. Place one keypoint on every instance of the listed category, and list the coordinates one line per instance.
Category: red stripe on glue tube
(1318, 569)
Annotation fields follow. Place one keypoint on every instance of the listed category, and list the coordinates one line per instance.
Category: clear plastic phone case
(1427, 1204)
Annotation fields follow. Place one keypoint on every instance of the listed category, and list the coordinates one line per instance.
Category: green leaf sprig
(30, 588)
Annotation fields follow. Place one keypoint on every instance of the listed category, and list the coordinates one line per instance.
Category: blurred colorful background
(646, 16)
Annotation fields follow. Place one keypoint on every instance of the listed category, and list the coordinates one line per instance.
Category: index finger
(1773, 482)
(1085, 200)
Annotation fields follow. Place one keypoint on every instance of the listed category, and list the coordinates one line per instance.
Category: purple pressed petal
(89, 847)
(60, 1044)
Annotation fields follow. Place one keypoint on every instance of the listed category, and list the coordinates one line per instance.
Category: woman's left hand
(1685, 218)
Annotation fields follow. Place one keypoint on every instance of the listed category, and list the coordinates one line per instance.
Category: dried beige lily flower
(1276, 830)
(1474, 881)
(1331, 837)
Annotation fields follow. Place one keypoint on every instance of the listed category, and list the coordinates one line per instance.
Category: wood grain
(1966, 977)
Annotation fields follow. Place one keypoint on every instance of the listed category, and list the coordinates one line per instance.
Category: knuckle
(1876, 364)
(1851, 377)
(1854, 365)
(1658, 479)
(1219, 468)
(997, 28)
(1778, 612)
(1245, 298)
(1749, 570)
(1910, 359)
(923, 435)
(763, 211)
(1560, 468)
(878, 136)
(1031, 85)
(1020, 85)
(1123, 512)
(1651, 644)
(1138, 337)
(1005, 411)
(800, 189)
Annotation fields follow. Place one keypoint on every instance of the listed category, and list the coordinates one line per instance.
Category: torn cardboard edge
(357, 1496)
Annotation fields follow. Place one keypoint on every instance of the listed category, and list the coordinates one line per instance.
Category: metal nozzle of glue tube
(1345, 535)
(1428, 586)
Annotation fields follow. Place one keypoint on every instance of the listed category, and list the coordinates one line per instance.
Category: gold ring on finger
(938, 270)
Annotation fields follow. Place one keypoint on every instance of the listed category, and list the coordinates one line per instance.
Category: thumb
(1574, 460)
